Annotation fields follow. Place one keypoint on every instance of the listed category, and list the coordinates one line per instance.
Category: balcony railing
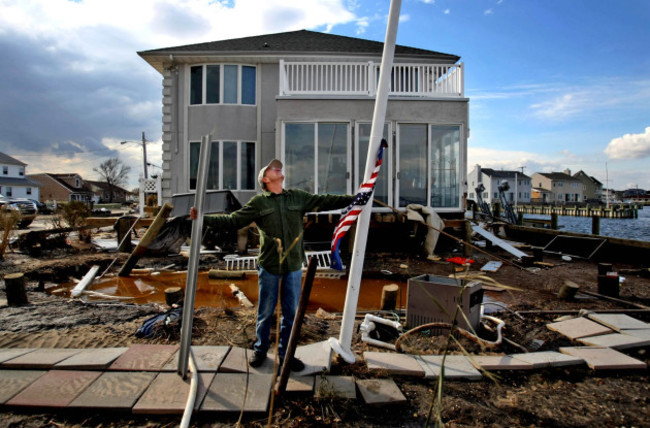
(362, 78)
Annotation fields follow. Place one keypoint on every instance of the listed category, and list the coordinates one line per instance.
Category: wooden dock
(613, 211)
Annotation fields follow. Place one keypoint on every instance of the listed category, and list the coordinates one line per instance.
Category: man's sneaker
(295, 364)
(257, 359)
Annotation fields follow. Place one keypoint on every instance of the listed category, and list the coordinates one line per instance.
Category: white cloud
(488, 12)
(630, 146)
(447, 12)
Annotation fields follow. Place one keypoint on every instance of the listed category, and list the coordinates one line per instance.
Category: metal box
(429, 294)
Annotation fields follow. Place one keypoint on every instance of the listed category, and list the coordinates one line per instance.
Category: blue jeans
(268, 298)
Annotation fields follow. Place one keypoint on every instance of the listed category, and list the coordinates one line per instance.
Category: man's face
(274, 175)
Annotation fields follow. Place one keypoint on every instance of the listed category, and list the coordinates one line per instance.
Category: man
(278, 214)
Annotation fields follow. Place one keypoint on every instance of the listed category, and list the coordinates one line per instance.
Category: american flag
(352, 211)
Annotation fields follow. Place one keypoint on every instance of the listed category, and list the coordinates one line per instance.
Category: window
(5, 170)
(316, 157)
(496, 195)
(232, 165)
(21, 171)
(28, 190)
(222, 84)
(9, 191)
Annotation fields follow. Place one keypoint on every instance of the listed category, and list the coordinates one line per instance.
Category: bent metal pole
(193, 262)
(342, 346)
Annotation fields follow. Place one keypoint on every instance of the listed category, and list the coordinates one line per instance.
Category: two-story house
(13, 181)
(559, 187)
(307, 98)
(593, 189)
(519, 185)
(63, 187)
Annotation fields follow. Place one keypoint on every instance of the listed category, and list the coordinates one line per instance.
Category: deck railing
(361, 79)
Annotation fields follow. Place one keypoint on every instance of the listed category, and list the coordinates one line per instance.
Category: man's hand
(193, 213)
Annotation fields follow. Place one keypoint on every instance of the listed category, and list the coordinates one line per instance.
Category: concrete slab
(56, 388)
(317, 357)
(616, 341)
(114, 390)
(144, 358)
(619, 322)
(456, 367)
(168, 394)
(548, 359)
(604, 358)
(380, 392)
(393, 364)
(644, 334)
(500, 362)
(577, 328)
(236, 361)
(8, 354)
(335, 386)
(207, 358)
(228, 390)
(300, 384)
(42, 358)
(91, 359)
(14, 381)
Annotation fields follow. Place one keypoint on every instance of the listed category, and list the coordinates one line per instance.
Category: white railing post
(283, 78)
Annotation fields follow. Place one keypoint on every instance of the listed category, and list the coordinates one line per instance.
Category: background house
(519, 185)
(102, 192)
(13, 181)
(63, 187)
(561, 187)
(307, 98)
(593, 189)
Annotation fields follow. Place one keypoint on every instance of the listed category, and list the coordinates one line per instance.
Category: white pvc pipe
(85, 281)
(342, 346)
(191, 398)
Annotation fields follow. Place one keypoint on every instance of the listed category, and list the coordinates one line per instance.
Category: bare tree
(114, 173)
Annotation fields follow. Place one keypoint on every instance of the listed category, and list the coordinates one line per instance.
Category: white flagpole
(342, 346)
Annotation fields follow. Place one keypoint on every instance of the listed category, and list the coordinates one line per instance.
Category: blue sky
(553, 84)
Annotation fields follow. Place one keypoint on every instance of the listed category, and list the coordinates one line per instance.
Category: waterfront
(637, 228)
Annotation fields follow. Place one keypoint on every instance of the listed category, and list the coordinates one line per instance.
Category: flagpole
(342, 346)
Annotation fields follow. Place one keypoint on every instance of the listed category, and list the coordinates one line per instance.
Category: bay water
(627, 228)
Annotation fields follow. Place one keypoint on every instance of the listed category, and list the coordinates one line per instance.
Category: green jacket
(279, 216)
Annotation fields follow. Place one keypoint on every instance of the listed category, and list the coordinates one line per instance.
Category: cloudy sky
(553, 84)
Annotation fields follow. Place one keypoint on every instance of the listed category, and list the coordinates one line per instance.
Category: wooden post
(608, 285)
(467, 249)
(146, 240)
(123, 227)
(15, 289)
(568, 290)
(389, 295)
(595, 225)
(603, 268)
(554, 220)
(173, 295)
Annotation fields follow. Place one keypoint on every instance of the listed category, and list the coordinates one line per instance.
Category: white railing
(361, 79)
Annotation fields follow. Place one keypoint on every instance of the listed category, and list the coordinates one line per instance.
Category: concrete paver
(14, 381)
(207, 358)
(619, 322)
(227, 391)
(335, 386)
(380, 392)
(304, 384)
(456, 367)
(8, 354)
(393, 364)
(114, 390)
(236, 361)
(644, 334)
(317, 357)
(56, 388)
(577, 328)
(168, 393)
(91, 359)
(500, 362)
(548, 359)
(599, 358)
(616, 341)
(144, 358)
(43, 358)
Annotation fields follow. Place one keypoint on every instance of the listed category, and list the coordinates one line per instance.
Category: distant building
(557, 187)
(519, 185)
(593, 189)
(63, 187)
(102, 192)
(13, 182)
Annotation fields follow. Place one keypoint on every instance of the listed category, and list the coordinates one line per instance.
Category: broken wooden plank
(499, 242)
